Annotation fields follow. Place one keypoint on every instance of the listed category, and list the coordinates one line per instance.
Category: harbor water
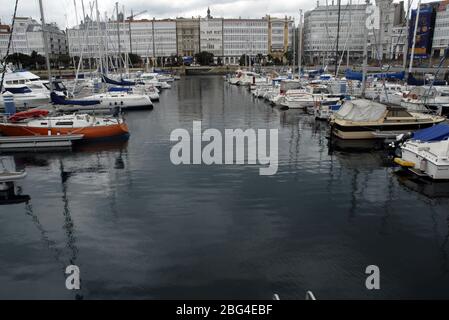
(139, 227)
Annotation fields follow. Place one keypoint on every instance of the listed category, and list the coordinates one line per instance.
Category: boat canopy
(354, 75)
(436, 133)
(117, 83)
(412, 81)
(119, 89)
(361, 110)
(55, 99)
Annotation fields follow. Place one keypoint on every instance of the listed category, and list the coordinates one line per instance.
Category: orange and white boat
(91, 127)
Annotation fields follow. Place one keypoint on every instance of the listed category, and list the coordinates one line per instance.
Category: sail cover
(354, 75)
(361, 110)
(117, 83)
(436, 133)
(55, 99)
(412, 81)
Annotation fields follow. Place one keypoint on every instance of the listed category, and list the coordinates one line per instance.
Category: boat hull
(369, 132)
(92, 132)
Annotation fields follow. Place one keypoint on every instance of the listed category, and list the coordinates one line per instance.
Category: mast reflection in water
(139, 227)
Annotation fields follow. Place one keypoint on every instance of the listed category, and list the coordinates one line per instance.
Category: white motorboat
(153, 79)
(308, 97)
(427, 98)
(389, 93)
(365, 119)
(427, 153)
(24, 98)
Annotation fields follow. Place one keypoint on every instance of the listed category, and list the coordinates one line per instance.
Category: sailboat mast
(349, 33)
(407, 35)
(300, 44)
(44, 34)
(100, 35)
(338, 37)
(118, 38)
(365, 50)
(412, 54)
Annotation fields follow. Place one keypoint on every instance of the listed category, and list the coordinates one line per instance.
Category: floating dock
(38, 143)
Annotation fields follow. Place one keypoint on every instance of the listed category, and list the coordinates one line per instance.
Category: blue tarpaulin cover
(117, 83)
(119, 89)
(435, 133)
(416, 82)
(55, 99)
(354, 75)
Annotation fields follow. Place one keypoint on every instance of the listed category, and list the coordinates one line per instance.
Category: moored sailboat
(91, 127)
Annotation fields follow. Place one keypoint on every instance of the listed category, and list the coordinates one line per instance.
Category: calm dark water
(141, 228)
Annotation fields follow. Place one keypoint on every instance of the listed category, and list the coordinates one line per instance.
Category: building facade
(28, 37)
(320, 32)
(280, 36)
(391, 15)
(441, 34)
(244, 36)
(211, 36)
(188, 36)
(146, 38)
(398, 42)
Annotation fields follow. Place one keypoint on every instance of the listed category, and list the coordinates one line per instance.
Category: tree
(243, 60)
(20, 59)
(135, 59)
(289, 57)
(64, 60)
(204, 58)
(37, 60)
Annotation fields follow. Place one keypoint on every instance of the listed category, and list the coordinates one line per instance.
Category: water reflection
(140, 227)
(423, 186)
(13, 196)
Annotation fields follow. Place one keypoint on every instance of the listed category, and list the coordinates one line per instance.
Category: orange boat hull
(96, 132)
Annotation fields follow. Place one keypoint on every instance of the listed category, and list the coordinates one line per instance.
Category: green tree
(243, 60)
(64, 60)
(20, 59)
(289, 57)
(135, 59)
(204, 58)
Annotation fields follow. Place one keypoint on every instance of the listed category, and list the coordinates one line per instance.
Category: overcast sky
(63, 11)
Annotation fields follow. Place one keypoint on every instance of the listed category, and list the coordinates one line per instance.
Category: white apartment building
(146, 38)
(320, 31)
(211, 36)
(391, 15)
(227, 39)
(398, 42)
(5, 31)
(28, 37)
(244, 36)
(441, 34)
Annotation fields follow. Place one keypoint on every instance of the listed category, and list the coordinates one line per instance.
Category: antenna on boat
(44, 34)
